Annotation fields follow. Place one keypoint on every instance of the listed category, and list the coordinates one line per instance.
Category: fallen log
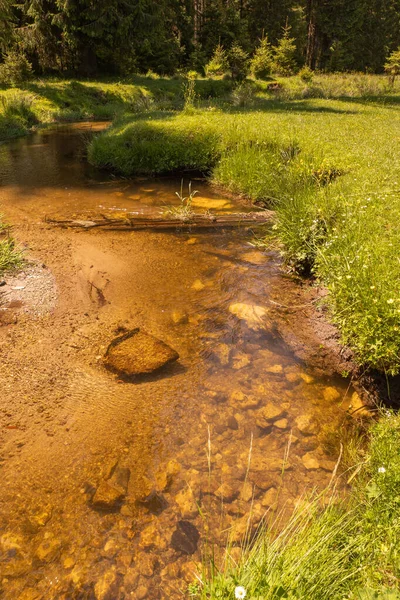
(196, 221)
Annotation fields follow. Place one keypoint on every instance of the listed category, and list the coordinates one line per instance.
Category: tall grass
(332, 547)
(10, 256)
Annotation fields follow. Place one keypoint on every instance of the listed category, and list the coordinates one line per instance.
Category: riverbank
(47, 101)
(327, 167)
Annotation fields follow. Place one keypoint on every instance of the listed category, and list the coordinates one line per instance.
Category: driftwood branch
(196, 221)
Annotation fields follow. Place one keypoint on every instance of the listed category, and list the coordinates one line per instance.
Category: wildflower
(240, 592)
(380, 470)
(390, 301)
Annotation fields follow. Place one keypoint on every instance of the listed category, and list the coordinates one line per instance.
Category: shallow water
(238, 428)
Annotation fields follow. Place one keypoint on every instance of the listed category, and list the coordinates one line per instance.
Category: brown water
(235, 429)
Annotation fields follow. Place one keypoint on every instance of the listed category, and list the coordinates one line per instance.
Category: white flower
(380, 470)
(240, 592)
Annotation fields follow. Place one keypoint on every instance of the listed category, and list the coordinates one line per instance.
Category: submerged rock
(252, 314)
(137, 353)
(185, 538)
(154, 502)
(108, 497)
(106, 587)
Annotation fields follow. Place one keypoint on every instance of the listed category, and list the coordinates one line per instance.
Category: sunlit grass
(10, 255)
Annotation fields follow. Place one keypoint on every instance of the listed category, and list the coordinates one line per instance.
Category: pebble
(226, 492)
(310, 461)
(48, 550)
(179, 317)
(307, 425)
(307, 378)
(107, 497)
(281, 424)
(222, 352)
(247, 492)
(269, 413)
(331, 394)
(253, 315)
(198, 285)
(186, 503)
(107, 586)
(238, 398)
(269, 498)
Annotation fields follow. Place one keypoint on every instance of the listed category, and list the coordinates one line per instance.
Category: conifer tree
(284, 54)
(262, 61)
(218, 65)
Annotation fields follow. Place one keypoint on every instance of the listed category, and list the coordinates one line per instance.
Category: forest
(74, 37)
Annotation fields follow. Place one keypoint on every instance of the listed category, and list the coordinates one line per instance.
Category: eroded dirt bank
(242, 393)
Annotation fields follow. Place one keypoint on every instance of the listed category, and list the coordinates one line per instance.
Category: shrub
(15, 69)
(218, 65)
(244, 94)
(189, 91)
(306, 74)
(238, 62)
(18, 107)
(262, 61)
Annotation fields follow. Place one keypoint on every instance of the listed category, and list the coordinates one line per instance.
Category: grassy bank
(58, 100)
(329, 167)
(331, 548)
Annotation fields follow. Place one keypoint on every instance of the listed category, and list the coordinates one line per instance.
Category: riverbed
(238, 429)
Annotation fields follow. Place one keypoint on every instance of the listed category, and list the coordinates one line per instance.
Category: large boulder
(137, 353)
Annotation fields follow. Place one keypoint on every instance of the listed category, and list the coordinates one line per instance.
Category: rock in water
(137, 353)
(253, 315)
(108, 497)
(185, 538)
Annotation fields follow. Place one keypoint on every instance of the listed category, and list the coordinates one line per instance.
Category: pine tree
(218, 65)
(284, 54)
(392, 65)
(238, 61)
(6, 24)
(262, 61)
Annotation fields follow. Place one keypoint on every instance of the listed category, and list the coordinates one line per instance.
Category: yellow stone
(331, 394)
(68, 562)
(307, 378)
(198, 285)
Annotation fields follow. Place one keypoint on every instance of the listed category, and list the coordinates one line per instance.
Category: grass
(330, 548)
(10, 256)
(328, 166)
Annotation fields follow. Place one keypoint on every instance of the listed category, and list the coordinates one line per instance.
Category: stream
(233, 432)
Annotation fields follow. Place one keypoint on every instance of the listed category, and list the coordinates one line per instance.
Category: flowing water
(237, 428)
